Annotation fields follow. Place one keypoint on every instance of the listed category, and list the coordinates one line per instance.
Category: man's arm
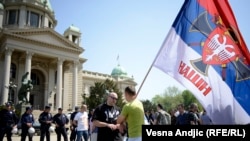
(121, 123)
(41, 118)
(120, 119)
(71, 121)
(15, 118)
(74, 122)
(98, 123)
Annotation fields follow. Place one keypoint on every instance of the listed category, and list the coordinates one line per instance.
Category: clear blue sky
(134, 29)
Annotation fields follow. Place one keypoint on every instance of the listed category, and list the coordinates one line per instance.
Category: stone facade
(29, 43)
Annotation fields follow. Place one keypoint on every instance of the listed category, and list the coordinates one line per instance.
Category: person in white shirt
(81, 121)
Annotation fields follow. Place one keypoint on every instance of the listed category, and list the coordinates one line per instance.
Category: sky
(134, 30)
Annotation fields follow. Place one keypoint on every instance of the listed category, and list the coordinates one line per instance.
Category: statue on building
(25, 88)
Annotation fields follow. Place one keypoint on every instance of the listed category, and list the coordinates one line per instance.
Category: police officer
(27, 121)
(8, 121)
(60, 120)
(72, 126)
(45, 119)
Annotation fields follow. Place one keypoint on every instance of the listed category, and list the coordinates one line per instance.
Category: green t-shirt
(134, 113)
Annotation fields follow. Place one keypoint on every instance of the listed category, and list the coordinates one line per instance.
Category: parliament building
(29, 43)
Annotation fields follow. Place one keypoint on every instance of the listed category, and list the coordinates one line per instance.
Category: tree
(190, 98)
(98, 93)
(169, 99)
(173, 97)
(148, 105)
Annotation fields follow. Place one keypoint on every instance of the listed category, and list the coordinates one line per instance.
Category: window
(12, 17)
(34, 19)
(50, 24)
(74, 39)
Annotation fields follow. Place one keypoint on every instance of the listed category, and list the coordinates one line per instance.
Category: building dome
(47, 2)
(73, 28)
(1, 6)
(119, 71)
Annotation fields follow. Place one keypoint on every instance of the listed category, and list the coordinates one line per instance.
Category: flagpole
(152, 64)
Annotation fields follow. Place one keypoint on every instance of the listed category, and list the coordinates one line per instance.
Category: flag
(205, 52)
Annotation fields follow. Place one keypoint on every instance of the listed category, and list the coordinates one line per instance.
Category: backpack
(164, 118)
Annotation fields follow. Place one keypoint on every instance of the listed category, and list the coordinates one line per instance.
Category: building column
(22, 15)
(75, 84)
(7, 63)
(59, 83)
(46, 94)
(28, 68)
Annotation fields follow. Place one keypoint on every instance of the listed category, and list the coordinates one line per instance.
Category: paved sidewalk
(35, 138)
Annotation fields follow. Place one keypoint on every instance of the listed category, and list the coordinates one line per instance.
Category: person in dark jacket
(105, 118)
(27, 121)
(45, 120)
(8, 121)
(60, 120)
(72, 126)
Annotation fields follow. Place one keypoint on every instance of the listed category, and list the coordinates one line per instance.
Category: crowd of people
(107, 122)
(179, 116)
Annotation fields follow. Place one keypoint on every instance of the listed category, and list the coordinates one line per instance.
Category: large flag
(205, 52)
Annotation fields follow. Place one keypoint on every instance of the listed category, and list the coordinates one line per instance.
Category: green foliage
(169, 99)
(2, 107)
(18, 112)
(148, 105)
(173, 96)
(190, 98)
(98, 93)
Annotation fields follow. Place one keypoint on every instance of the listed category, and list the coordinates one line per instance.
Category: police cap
(7, 104)
(28, 108)
(47, 107)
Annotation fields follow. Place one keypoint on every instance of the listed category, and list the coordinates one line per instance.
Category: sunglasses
(114, 98)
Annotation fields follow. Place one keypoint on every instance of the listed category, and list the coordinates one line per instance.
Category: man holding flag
(206, 53)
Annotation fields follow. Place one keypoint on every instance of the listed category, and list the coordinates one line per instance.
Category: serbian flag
(205, 52)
